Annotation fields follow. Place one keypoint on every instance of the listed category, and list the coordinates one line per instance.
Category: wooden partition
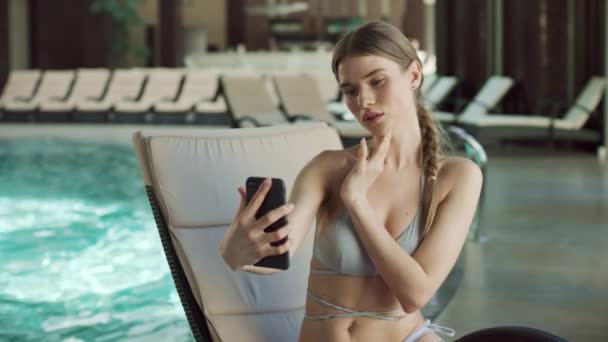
(550, 47)
(64, 35)
(4, 43)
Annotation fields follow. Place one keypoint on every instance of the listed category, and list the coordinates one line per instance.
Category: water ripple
(82, 260)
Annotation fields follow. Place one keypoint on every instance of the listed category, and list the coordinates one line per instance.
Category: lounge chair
(198, 96)
(569, 127)
(250, 102)
(300, 96)
(427, 84)
(191, 181)
(21, 84)
(90, 83)
(162, 85)
(54, 84)
(442, 87)
(492, 92)
(124, 84)
(330, 92)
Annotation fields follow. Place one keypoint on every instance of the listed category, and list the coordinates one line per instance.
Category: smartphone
(274, 199)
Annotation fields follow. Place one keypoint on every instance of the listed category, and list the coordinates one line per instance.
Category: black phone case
(274, 199)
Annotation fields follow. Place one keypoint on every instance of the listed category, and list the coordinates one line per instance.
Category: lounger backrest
(300, 94)
(249, 96)
(90, 83)
(492, 92)
(200, 85)
(442, 88)
(54, 84)
(586, 102)
(194, 180)
(429, 81)
(21, 83)
(327, 84)
(163, 83)
(125, 83)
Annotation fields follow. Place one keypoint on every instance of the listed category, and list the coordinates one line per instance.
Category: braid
(431, 148)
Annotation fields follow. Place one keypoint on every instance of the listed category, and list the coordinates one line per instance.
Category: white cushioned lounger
(490, 94)
(192, 179)
(89, 84)
(124, 84)
(21, 84)
(300, 95)
(570, 126)
(55, 84)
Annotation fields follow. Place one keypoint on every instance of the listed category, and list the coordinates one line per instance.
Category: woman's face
(378, 91)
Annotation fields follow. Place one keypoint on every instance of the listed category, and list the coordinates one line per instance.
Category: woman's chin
(378, 128)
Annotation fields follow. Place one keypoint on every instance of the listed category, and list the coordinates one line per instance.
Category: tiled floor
(545, 261)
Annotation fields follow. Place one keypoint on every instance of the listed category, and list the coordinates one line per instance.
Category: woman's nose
(366, 99)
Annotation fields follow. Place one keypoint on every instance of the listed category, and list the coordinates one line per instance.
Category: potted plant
(125, 51)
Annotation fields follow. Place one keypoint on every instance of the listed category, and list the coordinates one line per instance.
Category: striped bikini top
(339, 248)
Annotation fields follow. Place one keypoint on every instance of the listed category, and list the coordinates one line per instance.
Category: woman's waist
(365, 293)
(364, 301)
(359, 328)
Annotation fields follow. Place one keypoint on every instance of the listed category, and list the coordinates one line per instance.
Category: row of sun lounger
(247, 98)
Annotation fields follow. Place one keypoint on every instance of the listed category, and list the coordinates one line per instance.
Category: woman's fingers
(382, 151)
(275, 236)
(243, 203)
(362, 154)
(363, 150)
(258, 198)
(268, 249)
(384, 145)
(273, 216)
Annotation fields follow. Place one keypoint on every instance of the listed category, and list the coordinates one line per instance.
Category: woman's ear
(415, 70)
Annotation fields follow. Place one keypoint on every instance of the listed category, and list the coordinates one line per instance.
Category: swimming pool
(81, 257)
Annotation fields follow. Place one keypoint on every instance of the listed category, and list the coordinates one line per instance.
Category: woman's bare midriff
(360, 294)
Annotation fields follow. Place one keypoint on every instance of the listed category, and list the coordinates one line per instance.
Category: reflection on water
(81, 258)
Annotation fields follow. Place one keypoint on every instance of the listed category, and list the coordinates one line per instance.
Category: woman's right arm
(245, 241)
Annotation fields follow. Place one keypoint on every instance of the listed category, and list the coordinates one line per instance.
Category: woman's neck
(404, 151)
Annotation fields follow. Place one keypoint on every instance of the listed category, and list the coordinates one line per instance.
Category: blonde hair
(384, 40)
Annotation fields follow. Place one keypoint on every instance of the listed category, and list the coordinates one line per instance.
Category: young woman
(392, 214)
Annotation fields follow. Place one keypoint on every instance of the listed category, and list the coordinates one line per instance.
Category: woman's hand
(365, 171)
(245, 241)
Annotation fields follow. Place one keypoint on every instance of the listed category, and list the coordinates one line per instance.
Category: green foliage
(125, 18)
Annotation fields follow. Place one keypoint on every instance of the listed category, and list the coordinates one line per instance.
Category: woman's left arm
(414, 279)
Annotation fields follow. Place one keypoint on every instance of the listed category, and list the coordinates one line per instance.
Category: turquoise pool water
(81, 257)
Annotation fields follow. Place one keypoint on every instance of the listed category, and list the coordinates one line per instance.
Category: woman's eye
(377, 82)
(349, 92)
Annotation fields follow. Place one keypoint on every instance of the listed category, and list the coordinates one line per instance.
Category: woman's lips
(372, 116)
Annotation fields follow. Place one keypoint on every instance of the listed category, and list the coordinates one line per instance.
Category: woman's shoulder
(457, 170)
(334, 160)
